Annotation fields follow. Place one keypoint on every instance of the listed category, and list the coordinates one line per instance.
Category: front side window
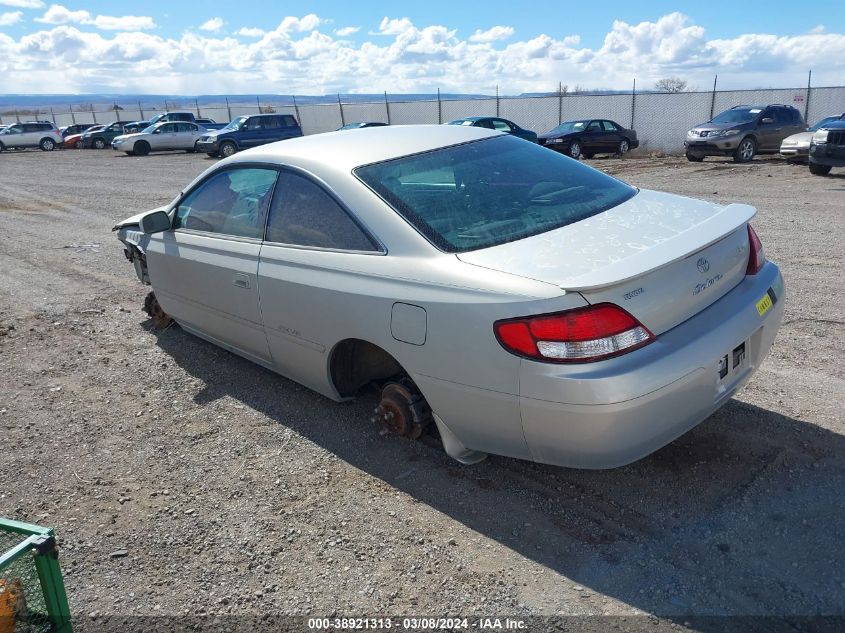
(304, 214)
(231, 202)
(497, 190)
(594, 126)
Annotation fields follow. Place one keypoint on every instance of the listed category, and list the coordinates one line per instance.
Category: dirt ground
(231, 490)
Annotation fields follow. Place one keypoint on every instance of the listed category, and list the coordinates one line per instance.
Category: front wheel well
(355, 363)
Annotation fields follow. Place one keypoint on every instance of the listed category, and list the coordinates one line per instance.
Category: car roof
(835, 125)
(353, 148)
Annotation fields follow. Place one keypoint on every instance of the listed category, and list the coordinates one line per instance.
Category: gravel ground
(231, 490)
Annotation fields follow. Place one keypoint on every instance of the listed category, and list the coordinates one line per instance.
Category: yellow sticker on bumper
(764, 305)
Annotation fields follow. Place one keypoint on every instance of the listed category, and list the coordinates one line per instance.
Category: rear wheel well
(355, 363)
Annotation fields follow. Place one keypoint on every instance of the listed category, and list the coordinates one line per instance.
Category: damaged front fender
(135, 243)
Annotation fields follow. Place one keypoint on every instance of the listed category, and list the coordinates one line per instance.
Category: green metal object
(32, 592)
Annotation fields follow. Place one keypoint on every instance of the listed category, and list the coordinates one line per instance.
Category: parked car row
(740, 132)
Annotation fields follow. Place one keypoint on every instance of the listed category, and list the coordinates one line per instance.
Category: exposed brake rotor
(402, 410)
(157, 315)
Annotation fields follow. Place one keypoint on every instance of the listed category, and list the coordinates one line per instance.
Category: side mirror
(767, 120)
(157, 130)
(155, 222)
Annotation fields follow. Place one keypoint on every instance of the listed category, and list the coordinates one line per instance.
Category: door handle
(241, 280)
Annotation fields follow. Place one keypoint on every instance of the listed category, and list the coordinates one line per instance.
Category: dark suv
(744, 131)
(244, 132)
(827, 149)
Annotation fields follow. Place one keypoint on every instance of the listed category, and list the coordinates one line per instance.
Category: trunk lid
(662, 257)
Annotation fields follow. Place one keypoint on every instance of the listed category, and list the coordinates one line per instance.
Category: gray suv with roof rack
(743, 132)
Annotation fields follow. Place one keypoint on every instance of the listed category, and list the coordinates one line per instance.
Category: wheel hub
(402, 411)
(157, 315)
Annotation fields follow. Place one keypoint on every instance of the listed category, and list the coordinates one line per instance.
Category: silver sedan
(174, 135)
(520, 301)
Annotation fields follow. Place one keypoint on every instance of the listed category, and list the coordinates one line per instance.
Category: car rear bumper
(827, 154)
(608, 414)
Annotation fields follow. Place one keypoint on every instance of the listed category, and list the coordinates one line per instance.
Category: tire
(2, 147)
(819, 170)
(47, 145)
(575, 150)
(694, 158)
(745, 151)
(624, 147)
(227, 148)
(98, 143)
(79, 145)
(141, 148)
(212, 154)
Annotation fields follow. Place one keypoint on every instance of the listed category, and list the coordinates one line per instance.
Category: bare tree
(670, 84)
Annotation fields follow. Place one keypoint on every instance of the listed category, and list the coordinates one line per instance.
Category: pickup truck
(209, 124)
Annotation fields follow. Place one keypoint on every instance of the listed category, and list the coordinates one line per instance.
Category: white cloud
(23, 4)
(250, 32)
(346, 31)
(58, 14)
(297, 56)
(393, 26)
(10, 17)
(213, 25)
(492, 34)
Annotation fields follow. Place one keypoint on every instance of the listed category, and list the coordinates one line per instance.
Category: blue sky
(320, 47)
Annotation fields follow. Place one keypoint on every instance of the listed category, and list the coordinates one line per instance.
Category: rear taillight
(575, 336)
(756, 258)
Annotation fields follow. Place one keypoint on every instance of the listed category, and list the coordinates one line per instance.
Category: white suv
(41, 134)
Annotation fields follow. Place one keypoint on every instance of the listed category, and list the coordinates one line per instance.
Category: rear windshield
(489, 192)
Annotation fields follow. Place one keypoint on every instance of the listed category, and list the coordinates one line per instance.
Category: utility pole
(340, 105)
(439, 108)
(633, 101)
(807, 100)
(387, 107)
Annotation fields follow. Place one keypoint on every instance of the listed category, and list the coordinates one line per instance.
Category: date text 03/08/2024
(411, 624)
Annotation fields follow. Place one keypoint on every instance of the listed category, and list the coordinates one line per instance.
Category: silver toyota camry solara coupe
(524, 303)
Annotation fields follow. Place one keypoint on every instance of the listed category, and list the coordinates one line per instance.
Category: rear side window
(272, 122)
(490, 192)
(288, 121)
(304, 214)
(502, 126)
(609, 126)
(231, 202)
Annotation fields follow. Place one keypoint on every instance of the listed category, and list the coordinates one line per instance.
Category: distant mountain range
(105, 101)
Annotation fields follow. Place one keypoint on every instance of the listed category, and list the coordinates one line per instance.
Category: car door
(312, 248)
(252, 132)
(768, 130)
(13, 136)
(204, 270)
(167, 136)
(186, 135)
(612, 136)
(592, 139)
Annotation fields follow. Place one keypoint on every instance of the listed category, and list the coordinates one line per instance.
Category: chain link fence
(660, 119)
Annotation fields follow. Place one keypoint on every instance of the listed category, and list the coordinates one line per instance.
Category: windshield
(570, 126)
(737, 115)
(149, 129)
(489, 192)
(234, 124)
